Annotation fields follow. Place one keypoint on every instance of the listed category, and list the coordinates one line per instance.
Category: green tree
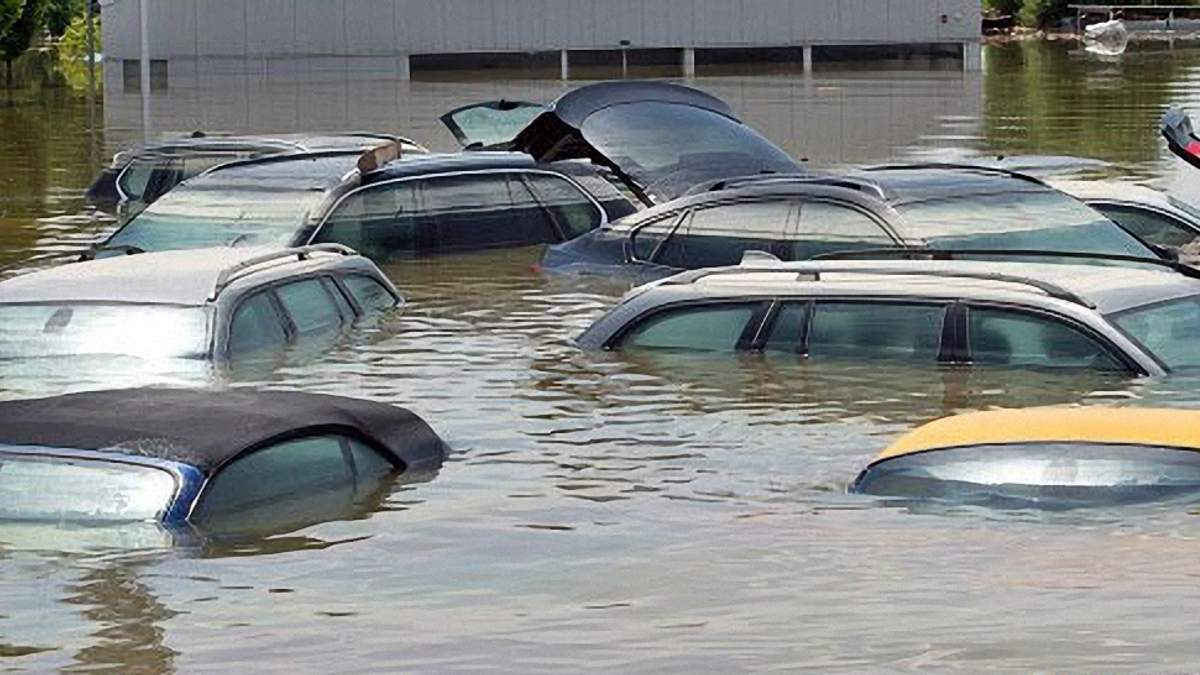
(59, 13)
(1001, 7)
(17, 37)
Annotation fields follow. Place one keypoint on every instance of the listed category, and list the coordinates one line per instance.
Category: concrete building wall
(302, 28)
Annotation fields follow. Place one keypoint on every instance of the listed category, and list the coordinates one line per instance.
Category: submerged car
(204, 458)
(1045, 458)
(1152, 215)
(926, 207)
(567, 172)
(139, 176)
(216, 304)
(1017, 315)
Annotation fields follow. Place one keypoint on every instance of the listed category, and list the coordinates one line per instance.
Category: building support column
(807, 58)
(564, 65)
(689, 62)
(144, 66)
(972, 57)
(403, 68)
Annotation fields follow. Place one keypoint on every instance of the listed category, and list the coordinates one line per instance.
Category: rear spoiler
(1181, 138)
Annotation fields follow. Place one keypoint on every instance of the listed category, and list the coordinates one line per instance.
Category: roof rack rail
(957, 165)
(246, 267)
(952, 254)
(816, 268)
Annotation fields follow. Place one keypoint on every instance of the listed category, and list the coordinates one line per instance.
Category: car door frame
(230, 306)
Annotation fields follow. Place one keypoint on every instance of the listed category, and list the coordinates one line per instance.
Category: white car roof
(1109, 288)
(187, 277)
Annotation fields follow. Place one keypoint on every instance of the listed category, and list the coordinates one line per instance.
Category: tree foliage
(18, 35)
(60, 13)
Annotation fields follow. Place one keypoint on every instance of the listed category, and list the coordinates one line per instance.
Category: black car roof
(308, 171)
(206, 429)
(907, 183)
(472, 160)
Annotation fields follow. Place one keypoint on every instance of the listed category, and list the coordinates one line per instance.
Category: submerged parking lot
(618, 511)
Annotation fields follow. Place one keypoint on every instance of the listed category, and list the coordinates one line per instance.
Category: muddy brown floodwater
(602, 511)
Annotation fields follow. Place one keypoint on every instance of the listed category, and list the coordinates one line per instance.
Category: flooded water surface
(611, 511)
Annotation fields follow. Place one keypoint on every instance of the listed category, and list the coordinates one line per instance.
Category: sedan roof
(186, 277)
(206, 429)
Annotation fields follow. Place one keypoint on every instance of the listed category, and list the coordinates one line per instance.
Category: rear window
(1038, 221)
(369, 293)
(36, 487)
(145, 331)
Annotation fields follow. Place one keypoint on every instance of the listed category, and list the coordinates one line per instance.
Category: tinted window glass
(309, 306)
(289, 470)
(380, 222)
(826, 228)
(370, 294)
(479, 211)
(1000, 337)
(876, 331)
(703, 328)
(646, 238)
(1037, 221)
(719, 235)
(43, 488)
(1170, 330)
(570, 209)
(134, 179)
(255, 325)
(339, 299)
(1151, 226)
(787, 328)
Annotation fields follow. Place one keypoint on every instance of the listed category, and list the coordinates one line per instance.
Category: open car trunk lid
(658, 138)
(1181, 138)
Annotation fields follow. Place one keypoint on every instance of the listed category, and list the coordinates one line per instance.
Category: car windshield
(1169, 330)
(1035, 221)
(59, 488)
(667, 148)
(195, 217)
(65, 329)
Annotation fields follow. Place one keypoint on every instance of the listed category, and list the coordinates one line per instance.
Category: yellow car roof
(1159, 427)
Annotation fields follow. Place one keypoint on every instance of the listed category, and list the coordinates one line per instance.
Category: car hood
(1181, 138)
(658, 138)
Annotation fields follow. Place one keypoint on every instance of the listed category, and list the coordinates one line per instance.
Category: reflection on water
(610, 511)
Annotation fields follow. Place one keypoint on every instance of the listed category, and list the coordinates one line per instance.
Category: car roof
(206, 429)
(300, 142)
(910, 183)
(1159, 427)
(1102, 287)
(1089, 190)
(324, 170)
(451, 162)
(186, 277)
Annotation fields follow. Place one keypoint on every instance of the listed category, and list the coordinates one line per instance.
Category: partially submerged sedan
(1154, 216)
(1052, 458)
(194, 457)
(922, 207)
(1016, 315)
(217, 304)
(564, 174)
(139, 176)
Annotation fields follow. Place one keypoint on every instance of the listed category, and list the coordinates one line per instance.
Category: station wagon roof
(309, 171)
(906, 184)
(185, 277)
(451, 162)
(300, 142)
(205, 429)
(1108, 288)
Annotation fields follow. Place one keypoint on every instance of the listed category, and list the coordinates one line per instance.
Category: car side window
(1152, 226)
(289, 470)
(719, 235)
(714, 328)
(571, 209)
(825, 227)
(309, 305)
(871, 330)
(339, 299)
(647, 237)
(255, 325)
(1011, 338)
(480, 211)
(136, 176)
(381, 222)
(371, 295)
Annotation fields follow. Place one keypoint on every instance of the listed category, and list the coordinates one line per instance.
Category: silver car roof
(1088, 190)
(190, 277)
(1106, 289)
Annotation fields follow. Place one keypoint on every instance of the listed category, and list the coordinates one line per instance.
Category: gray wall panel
(220, 28)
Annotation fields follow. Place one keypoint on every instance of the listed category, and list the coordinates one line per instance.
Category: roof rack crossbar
(246, 267)
(951, 253)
